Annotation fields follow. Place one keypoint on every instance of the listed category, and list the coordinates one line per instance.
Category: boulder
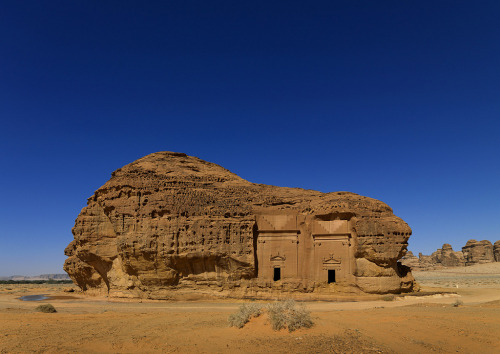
(169, 222)
(476, 252)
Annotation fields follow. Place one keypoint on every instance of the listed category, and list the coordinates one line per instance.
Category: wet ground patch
(34, 297)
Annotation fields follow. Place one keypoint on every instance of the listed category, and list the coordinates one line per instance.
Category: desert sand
(407, 324)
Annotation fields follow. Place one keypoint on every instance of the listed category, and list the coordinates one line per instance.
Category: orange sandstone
(171, 222)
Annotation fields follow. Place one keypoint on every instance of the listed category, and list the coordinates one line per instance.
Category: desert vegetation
(94, 324)
(244, 314)
(389, 297)
(46, 308)
(281, 314)
(289, 314)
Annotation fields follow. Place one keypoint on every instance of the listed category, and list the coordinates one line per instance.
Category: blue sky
(395, 100)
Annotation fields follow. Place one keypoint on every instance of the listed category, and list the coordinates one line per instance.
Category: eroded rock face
(410, 260)
(422, 262)
(446, 257)
(473, 252)
(169, 221)
(496, 251)
(476, 252)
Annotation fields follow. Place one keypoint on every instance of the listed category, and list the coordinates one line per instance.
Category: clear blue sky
(395, 100)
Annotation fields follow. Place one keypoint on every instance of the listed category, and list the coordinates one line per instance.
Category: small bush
(47, 308)
(287, 314)
(458, 303)
(244, 314)
(282, 314)
(388, 298)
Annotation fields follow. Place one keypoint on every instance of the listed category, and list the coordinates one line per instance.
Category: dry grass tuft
(388, 298)
(288, 314)
(282, 314)
(244, 314)
(47, 308)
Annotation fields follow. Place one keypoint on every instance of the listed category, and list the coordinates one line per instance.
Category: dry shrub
(282, 314)
(288, 314)
(244, 314)
(47, 308)
(388, 298)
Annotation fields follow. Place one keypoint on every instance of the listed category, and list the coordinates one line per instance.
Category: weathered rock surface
(447, 257)
(496, 251)
(410, 260)
(423, 262)
(169, 221)
(478, 252)
(474, 252)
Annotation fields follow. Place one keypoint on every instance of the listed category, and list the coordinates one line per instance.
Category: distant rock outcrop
(447, 257)
(443, 257)
(169, 221)
(37, 277)
(476, 252)
(410, 260)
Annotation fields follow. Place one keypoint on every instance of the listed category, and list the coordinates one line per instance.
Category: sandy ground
(408, 324)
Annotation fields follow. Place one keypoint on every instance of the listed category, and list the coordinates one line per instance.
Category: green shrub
(47, 308)
(287, 314)
(244, 314)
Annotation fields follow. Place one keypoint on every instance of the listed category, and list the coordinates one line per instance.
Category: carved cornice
(331, 260)
(277, 258)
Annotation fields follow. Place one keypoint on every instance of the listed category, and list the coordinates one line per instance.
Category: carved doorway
(331, 276)
(277, 274)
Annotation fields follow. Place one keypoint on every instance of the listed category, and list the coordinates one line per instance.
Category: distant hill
(37, 277)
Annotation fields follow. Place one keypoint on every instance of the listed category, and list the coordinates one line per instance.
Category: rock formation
(443, 257)
(447, 257)
(496, 251)
(410, 260)
(169, 222)
(476, 252)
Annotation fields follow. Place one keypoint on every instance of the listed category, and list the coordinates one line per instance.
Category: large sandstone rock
(476, 252)
(446, 257)
(169, 222)
(496, 251)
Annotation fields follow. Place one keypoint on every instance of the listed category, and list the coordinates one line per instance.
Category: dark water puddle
(61, 297)
(33, 297)
(45, 297)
